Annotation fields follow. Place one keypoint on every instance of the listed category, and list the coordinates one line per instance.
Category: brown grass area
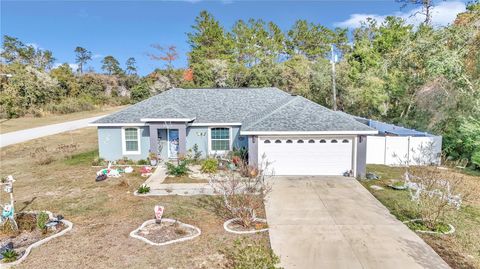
(460, 250)
(104, 213)
(11, 125)
(183, 179)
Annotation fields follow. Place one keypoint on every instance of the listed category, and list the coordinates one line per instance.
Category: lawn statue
(158, 213)
(8, 209)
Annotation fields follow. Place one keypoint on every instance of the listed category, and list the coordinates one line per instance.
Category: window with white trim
(131, 140)
(220, 139)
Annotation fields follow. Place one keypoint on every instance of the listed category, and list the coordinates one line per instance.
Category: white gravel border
(152, 221)
(38, 243)
(226, 223)
(451, 231)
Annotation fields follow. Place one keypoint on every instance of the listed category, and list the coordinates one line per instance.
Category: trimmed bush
(210, 166)
(177, 170)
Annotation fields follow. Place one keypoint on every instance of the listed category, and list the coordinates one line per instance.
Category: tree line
(420, 77)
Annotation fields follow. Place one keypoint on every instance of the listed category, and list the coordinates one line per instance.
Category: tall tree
(82, 56)
(426, 11)
(15, 50)
(208, 41)
(111, 66)
(314, 40)
(131, 67)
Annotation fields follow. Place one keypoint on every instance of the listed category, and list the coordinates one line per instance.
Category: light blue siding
(239, 141)
(110, 143)
(198, 135)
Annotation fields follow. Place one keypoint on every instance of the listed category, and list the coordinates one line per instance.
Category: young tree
(82, 57)
(111, 66)
(131, 67)
(167, 55)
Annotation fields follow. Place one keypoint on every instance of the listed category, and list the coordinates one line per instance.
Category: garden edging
(152, 221)
(38, 243)
(226, 223)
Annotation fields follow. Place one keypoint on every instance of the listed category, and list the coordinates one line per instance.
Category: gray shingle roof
(300, 114)
(258, 109)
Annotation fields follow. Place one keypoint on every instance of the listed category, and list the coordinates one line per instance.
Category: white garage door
(307, 156)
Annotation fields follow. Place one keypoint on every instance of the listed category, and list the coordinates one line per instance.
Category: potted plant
(152, 156)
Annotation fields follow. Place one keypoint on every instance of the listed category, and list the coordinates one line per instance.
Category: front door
(173, 142)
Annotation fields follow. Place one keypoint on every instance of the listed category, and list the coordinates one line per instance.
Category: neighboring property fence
(402, 150)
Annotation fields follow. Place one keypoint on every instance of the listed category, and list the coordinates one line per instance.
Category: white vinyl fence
(402, 150)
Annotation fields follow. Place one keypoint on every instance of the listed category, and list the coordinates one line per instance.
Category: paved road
(29, 134)
(334, 222)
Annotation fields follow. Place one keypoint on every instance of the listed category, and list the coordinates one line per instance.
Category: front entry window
(220, 139)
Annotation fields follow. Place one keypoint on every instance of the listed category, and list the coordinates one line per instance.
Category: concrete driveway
(334, 222)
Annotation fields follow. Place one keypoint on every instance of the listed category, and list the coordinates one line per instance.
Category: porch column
(154, 138)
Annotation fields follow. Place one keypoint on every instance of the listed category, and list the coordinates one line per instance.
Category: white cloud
(96, 56)
(73, 66)
(443, 14)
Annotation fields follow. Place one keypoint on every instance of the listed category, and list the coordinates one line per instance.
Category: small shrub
(143, 189)
(210, 166)
(70, 105)
(143, 162)
(67, 149)
(42, 219)
(97, 161)
(180, 231)
(26, 221)
(125, 161)
(251, 255)
(177, 170)
(196, 154)
(42, 156)
(9, 255)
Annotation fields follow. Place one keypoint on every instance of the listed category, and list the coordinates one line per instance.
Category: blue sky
(127, 28)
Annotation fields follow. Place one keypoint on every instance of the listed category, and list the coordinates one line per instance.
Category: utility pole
(334, 90)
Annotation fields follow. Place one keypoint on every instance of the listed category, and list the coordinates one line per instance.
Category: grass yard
(104, 213)
(11, 125)
(460, 250)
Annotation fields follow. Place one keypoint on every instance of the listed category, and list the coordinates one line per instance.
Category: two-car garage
(308, 155)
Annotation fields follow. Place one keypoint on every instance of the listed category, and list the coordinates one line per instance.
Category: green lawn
(460, 250)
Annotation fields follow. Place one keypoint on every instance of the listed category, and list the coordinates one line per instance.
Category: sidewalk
(186, 189)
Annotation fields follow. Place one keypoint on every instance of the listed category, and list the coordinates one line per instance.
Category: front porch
(168, 140)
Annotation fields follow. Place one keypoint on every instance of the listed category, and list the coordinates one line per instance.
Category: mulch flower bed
(167, 232)
(236, 226)
(28, 233)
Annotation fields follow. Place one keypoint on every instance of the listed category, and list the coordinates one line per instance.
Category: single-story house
(295, 135)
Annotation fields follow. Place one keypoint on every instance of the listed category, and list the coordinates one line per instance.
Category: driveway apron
(334, 222)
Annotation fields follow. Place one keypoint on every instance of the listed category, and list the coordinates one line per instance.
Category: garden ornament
(158, 213)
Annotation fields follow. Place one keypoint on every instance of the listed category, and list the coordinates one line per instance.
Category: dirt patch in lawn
(165, 231)
(106, 212)
(459, 250)
(183, 179)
